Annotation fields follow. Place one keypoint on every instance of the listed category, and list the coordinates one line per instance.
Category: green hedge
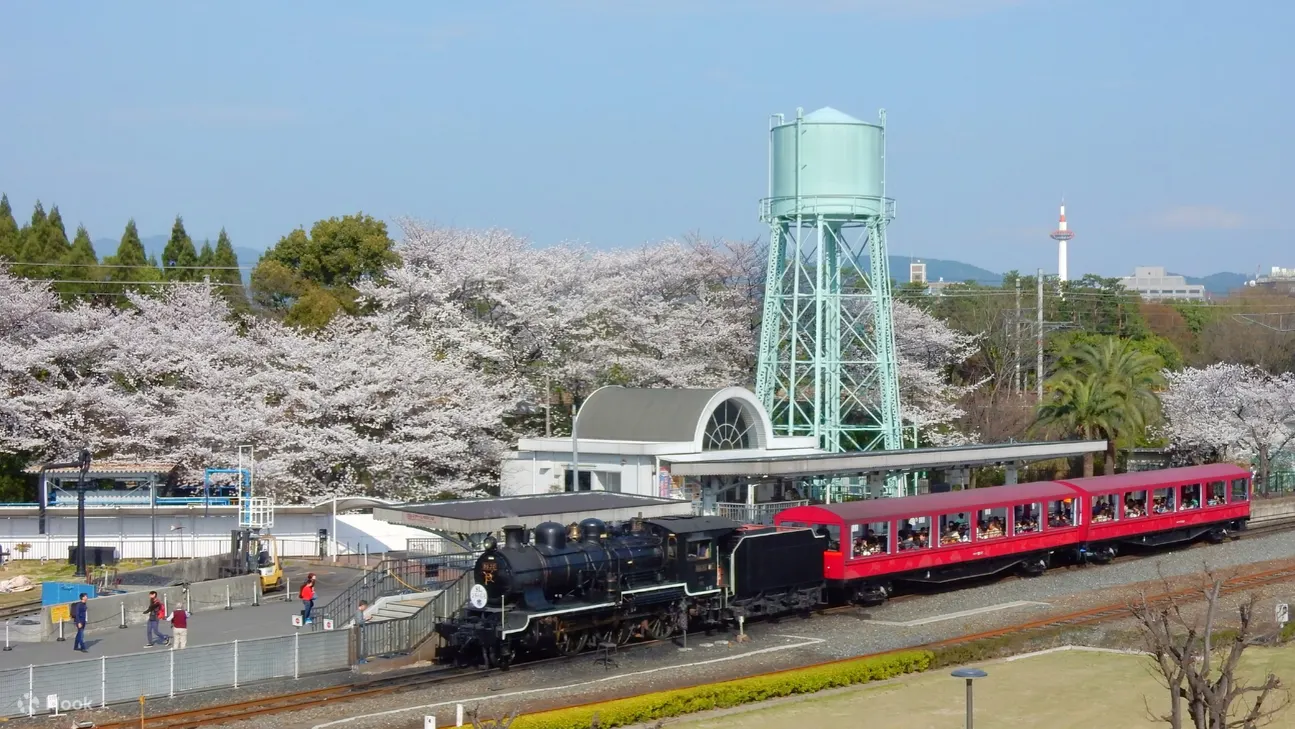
(666, 704)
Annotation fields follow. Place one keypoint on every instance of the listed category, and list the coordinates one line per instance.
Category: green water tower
(827, 365)
(826, 163)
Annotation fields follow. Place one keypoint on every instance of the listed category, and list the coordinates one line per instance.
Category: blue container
(61, 593)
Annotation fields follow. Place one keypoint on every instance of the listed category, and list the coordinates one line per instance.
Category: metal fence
(167, 546)
(403, 635)
(398, 577)
(755, 513)
(112, 679)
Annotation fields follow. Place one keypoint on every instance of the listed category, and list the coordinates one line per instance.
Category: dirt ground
(1026, 693)
(51, 571)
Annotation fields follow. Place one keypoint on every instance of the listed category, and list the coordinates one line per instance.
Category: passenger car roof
(943, 503)
(1161, 477)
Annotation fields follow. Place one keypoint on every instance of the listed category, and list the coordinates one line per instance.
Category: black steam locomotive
(591, 583)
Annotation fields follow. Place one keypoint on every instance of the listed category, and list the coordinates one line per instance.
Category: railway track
(19, 609)
(314, 698)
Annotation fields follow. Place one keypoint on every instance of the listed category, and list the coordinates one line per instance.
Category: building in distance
(1152, 282)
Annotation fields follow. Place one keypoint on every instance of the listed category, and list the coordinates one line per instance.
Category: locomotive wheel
(658, 629)
(570, 644)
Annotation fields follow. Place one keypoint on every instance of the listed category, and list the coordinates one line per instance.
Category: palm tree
(1104, 389)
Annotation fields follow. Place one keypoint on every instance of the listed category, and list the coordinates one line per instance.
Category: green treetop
(179, 257)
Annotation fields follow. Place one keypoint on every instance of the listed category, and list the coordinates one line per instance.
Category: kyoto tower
(1061, 235)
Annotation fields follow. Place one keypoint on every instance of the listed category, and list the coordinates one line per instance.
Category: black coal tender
(589, 584)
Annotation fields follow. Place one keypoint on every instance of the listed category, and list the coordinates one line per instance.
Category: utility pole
(548, 406)
(1038, 339)
(1017, 338)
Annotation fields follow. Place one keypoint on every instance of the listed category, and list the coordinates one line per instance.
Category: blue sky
(1165, 123)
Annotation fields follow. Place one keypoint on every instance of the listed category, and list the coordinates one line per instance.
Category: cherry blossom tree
(1241, 412)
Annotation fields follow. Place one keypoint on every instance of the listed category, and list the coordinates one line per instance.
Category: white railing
(755, 513)
(166, 546)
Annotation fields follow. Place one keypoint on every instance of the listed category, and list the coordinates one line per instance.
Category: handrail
(396, 576)
(405, 635)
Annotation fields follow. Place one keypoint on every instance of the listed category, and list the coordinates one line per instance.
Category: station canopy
(483, 516)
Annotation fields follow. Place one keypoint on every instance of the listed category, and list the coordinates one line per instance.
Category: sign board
(478, 597)
(1283, 613)
(60, 613)
(51, 702)
(297, 621)
(328, 623)
(429, 722)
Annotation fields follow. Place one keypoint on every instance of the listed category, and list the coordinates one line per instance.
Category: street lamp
(82, 464)
(970, 674)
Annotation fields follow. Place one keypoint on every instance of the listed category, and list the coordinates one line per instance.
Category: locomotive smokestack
(513, 536)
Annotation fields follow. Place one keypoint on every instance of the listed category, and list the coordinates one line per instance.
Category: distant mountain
(1220, 283)
(155, 244)
(949, 271)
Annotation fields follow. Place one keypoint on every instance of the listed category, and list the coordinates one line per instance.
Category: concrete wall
(104, 613)
(539, 472)
(188, 570)
(1269, 509)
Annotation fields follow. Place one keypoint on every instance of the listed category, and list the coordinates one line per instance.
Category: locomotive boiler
(591, 584)
(565, 562)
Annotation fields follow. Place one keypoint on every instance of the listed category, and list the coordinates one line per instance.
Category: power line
(239, 267)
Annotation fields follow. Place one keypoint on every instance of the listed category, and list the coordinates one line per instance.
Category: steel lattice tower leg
(827, 365)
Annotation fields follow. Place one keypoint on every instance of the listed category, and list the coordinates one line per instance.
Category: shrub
(666, 704)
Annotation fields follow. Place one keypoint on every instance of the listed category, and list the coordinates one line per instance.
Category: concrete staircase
(398, 607)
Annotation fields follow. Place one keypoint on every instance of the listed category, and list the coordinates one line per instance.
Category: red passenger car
(939, 538)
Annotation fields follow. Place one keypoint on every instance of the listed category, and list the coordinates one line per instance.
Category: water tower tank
(827, 163)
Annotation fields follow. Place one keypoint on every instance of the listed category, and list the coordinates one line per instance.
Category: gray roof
(646, 415)
(477, 516)
(887, 461)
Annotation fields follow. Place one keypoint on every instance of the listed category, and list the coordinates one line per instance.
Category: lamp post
(575, 449)
(970, 674)
(82, 464)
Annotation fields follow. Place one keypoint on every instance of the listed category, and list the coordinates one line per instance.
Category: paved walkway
(272, 618)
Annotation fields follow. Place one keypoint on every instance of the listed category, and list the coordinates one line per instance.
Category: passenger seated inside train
(1103, 512)
(1134, 508)
(991, 529)
(1059, 519)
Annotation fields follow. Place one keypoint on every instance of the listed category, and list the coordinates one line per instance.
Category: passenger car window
(1135, 504)
(1191, 496)
(1025, 518)
(833, 534)
(991, 523)
(1218, 493)
(1162, 501)
(1105, 508)
(869, 540)
(954, 528)
(915, 533)
(1240, 489)
(1061, 513)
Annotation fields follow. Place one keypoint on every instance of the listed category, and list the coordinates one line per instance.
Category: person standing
(360, 620)
(79, 615)
(155, 612)
(307, 596)
(179, 629)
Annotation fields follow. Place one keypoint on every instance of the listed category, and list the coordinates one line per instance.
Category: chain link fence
(113, 679)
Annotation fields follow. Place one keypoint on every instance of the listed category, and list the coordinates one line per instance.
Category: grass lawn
(1065, 690)
(52, 571)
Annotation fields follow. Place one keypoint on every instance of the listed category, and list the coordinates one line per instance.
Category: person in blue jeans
(155, 612)
(79, 614)
(307, 596)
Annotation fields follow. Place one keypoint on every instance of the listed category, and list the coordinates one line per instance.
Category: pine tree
(56, 243)
(179, 258)
(204, 256)
(81, 264)
(8, 231)
(224, 263)
(32, 248)
(131, 264)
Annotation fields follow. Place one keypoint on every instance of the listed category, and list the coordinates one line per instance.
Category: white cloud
(1199, 217)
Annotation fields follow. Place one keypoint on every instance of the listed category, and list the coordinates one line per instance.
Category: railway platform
(273, 617)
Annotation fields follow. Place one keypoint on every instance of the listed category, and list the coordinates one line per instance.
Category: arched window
(729, 428)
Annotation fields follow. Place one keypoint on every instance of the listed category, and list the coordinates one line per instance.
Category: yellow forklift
(254, 552)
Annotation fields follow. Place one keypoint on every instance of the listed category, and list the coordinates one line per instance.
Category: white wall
(297, 534)
(537, 472)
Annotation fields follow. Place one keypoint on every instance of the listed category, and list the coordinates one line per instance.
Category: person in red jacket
(307, 596)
